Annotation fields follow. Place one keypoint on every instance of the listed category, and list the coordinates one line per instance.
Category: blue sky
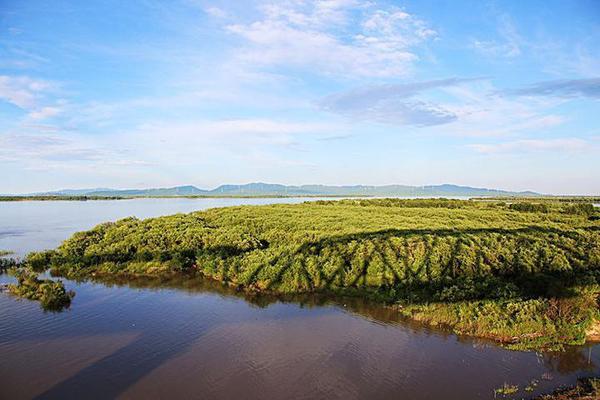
(502, 94)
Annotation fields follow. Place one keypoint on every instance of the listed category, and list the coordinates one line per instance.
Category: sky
(148, 93)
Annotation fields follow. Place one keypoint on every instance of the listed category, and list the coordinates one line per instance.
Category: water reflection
(190, 338)
(578, 358)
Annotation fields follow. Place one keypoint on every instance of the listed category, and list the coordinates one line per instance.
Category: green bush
(51, 294)
(586, 209)
(529, 207)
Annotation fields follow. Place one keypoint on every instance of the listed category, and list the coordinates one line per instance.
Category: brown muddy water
(152, 339)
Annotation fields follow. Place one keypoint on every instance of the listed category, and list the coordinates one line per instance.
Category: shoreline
(404, 310)
(526, 277)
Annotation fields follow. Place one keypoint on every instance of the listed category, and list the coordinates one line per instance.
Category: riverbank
(129, 197)
(525, 277)
(58, 198)
(585, 389)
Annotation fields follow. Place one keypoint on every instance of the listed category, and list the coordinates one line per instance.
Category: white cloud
(216, 12)
(249, 142)
(228, 134)
(321, 36)
(532, 145)
(474, 106)
(44, 112)
(509, 45)
(393, 103)
(22, 91)
(33, 148)
(566, 88)
(482, 112)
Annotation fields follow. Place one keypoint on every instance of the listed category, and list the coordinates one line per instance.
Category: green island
(51, 294)
(524, 274)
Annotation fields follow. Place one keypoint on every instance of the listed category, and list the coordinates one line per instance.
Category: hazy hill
(267, 189)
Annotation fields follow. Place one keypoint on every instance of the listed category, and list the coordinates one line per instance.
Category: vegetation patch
(7, 263)
(51, 294)
(585, 389)
(528, 278)
(506, 390)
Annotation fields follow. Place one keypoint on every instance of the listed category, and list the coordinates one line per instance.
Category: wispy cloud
(566, 88)
(22, 91)
(44, 147)
(45, 112)
(532, 145)
(315, 35)
(509, 45)
(393, 103)
(482, 112)
(216, 12)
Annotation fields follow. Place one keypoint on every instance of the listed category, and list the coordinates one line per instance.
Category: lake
(155, 339)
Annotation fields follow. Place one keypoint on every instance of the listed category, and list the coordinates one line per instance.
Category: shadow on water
(575, 358)
(129, 364)
(92, 382)
(160, 341)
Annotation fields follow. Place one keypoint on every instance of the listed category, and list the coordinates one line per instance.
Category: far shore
(557, 198)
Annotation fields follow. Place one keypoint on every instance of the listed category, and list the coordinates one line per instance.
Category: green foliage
(442, 259)
(51, 294)
(529, 207)
(586, 209)
(585, 389)
(7, 263)
(506, 390)
(39, 261)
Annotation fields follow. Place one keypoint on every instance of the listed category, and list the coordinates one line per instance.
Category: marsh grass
(526, 276)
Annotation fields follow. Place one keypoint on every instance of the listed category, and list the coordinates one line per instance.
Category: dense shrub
(7, 263)
(579, 209)
(51, 294)
(529, 207)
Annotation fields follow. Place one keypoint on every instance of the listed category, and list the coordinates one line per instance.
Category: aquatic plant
(5, 262)
(506, 390)
(50, 293)
(585, 389)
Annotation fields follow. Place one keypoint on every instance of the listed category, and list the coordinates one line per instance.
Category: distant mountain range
(267, 189)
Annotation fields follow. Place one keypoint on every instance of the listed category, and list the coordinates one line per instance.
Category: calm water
(194, 339)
